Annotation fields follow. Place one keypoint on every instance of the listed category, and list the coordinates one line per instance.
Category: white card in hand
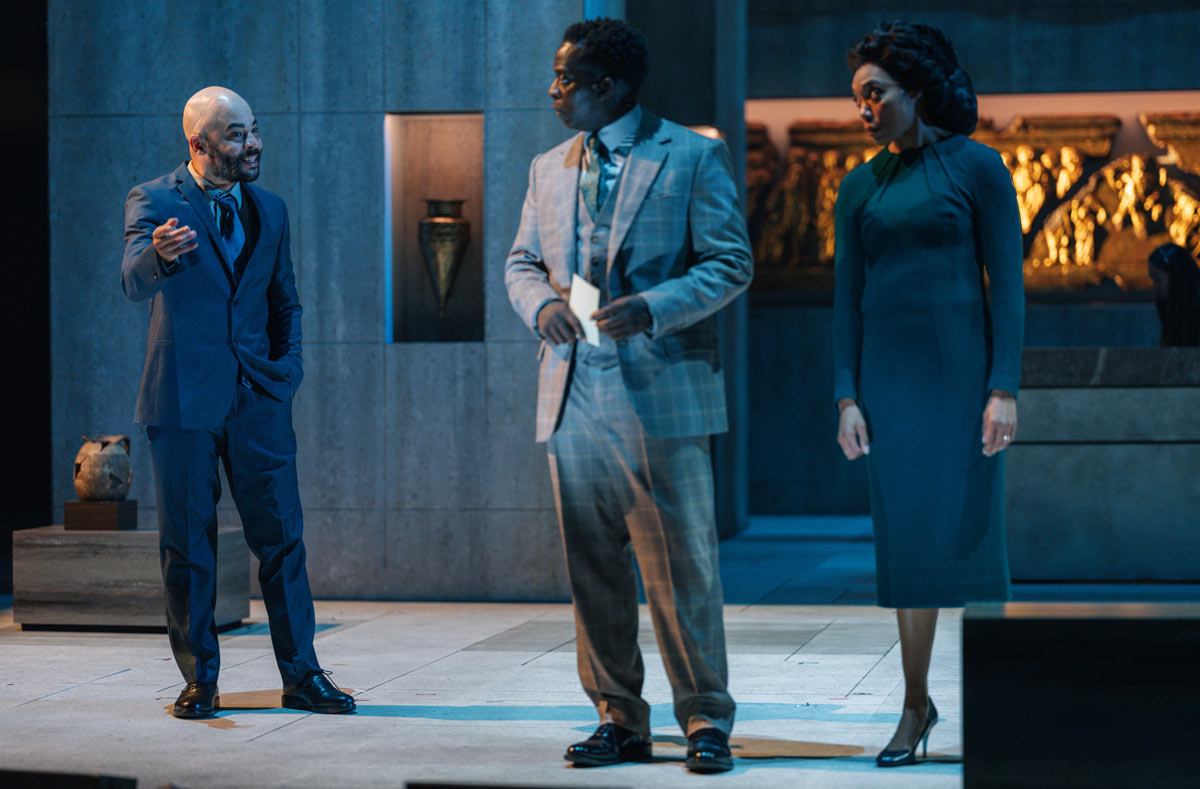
(585, 299)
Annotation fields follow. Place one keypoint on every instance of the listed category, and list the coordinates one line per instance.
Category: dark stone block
(1080, 695)
(100, 515)
(112, 578)
(1074, 367)
(1058, 324)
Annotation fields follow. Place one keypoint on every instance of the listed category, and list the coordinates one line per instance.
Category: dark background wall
(25, 297)
(797, 49)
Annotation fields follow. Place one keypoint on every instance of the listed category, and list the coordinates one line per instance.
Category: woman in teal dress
(926, 364)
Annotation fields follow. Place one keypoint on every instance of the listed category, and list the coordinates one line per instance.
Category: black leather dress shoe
(708, 751)
(611, 744)
(317, 694)
(198, 700)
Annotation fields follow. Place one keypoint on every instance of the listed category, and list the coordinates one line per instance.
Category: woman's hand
(852, 430)
(999, 422)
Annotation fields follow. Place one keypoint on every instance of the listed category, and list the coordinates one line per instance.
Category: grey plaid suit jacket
(678, 240)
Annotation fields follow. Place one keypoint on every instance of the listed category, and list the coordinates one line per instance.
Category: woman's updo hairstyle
(921, 60)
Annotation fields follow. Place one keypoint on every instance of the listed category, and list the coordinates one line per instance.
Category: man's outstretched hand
(171, 241)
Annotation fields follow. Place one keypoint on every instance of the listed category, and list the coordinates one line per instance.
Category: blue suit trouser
(257, 446)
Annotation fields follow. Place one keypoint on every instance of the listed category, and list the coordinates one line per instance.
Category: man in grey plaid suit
(647, 212)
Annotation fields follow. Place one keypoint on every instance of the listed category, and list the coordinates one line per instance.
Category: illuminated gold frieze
(1045, 155)
(796, 227)
(1178, 133)
(1086, 217)
(1108, 229)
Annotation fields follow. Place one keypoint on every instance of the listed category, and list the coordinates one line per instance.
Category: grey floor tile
(475, 692)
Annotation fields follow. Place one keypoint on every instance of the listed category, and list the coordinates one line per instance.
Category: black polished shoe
(610, 744)
(708, 751)
(198, 700)
(898, 757)
(317, 694)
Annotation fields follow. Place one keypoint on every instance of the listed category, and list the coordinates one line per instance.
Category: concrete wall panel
(345, 550)
(510, 141)
(520, 45)
(473, 554)
(435, 428)
(342, 212)
(434, 555)
(338, 419)
(435, 58)
(130, 57)
(526, 561)
(341, 55)
(518, 475)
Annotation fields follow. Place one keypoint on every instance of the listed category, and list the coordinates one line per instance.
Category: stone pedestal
(100, 515)
(1102, 477)
(112, 578)
(1058, 695)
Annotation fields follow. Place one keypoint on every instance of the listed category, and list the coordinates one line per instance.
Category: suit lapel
(265, 231)
(199, 203)
(566, 208)
(641, 168)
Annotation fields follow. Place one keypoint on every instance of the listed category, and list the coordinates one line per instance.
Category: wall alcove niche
(432, 157)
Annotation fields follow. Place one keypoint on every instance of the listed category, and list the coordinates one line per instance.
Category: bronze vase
(102, 469)
(444, 236)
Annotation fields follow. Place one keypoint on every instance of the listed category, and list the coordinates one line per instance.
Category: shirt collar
(621, 132)
(210, 190)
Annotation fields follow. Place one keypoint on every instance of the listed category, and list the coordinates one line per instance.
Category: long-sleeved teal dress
(919, 346)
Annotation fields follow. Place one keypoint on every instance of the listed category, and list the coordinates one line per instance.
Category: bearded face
(232, 150)
(230, 164)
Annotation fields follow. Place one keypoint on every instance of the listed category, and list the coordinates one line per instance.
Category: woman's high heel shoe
(901, 756)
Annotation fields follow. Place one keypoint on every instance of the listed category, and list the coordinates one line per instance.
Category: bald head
(222, 136)
(209, 108)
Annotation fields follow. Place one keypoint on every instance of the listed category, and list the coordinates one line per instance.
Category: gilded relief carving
(1047, 154)
(1086, 217)
(1108, 229)
(1179, 133)
(792, 230)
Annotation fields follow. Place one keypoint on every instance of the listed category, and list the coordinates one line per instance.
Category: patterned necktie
(233, 236)
(226, 211)
(593, 184)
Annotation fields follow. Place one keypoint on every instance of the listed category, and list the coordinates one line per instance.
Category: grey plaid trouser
(621, 493)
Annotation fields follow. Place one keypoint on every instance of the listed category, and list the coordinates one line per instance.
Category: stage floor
(487, 694)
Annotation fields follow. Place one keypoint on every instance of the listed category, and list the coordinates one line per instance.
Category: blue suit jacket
(202, 326)
(678, 240)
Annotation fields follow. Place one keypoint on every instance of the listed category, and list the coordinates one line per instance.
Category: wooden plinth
(112, 578)
(100, 515)
(1077, 694)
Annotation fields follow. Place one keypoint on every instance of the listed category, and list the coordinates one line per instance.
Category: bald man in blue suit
(211, 254)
